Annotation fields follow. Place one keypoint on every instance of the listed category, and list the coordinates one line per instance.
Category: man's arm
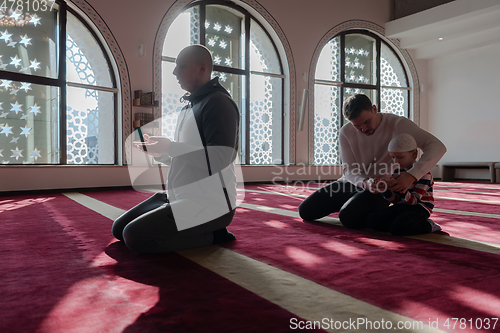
(433, 149)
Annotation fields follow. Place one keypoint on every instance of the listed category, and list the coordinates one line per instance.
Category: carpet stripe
(441, 210)
(300, 296)
(464, 212)
(438, 184)
(468, 185)
(468, 192)
(468, 200)
(100, 207)
(434, 238)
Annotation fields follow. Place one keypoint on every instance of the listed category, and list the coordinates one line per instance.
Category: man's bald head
(199, 54)
(193, 67)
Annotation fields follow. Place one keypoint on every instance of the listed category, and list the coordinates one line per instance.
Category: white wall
(464, 106)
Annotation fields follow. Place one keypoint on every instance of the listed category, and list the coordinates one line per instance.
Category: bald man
(201, 183)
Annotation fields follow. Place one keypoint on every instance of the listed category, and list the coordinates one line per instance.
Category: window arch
(248, 66)
(354, 61)
(54, 109)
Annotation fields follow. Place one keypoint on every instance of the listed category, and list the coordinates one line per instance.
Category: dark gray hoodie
(205, 144)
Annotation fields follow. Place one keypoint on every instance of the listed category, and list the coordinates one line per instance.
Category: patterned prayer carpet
(62, 271)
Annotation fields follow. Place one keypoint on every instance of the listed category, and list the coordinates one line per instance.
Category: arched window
(248, 66)
(354, 62)
(53, 109)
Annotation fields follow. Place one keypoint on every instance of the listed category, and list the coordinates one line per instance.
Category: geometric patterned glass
(224, 36)
(360, 55)
(394, 101)
(29, 120)
(328, 67)
(28, 39)
(265, 100)
(263, 56)
(90, 126)
(265, 119)
(85, 61)
(326, 124)
(392, 71)
(184, 31)
(327, 105)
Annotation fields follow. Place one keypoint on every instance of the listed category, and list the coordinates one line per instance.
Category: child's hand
(381, 184)
(402, 182)
(375, 185)
(390, 182)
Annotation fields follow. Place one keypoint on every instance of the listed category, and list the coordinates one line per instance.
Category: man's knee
(137, 241)
(132, 237)
(350, 219)
(117, 228)
(116, 232)
(305, 212)
(372, 221)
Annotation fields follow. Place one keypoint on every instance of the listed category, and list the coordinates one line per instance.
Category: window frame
(62, 83)
(246, 72)
(115, 90)
(378, 87)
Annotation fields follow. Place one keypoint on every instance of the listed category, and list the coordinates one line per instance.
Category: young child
(409, 213)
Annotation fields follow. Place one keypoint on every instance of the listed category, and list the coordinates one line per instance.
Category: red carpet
(398, 274)
(61, 274)
(63, 271)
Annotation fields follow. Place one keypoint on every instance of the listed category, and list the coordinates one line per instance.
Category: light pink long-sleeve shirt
(366, 156)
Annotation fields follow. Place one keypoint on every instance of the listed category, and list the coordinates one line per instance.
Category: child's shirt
(419, 193)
